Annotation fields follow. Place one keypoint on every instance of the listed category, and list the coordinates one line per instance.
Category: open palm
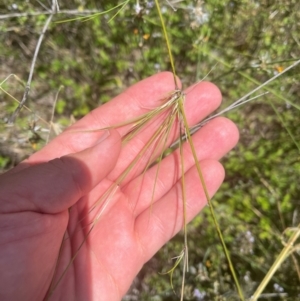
(45, 202)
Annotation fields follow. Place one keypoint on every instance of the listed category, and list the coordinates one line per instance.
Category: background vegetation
(236, 42)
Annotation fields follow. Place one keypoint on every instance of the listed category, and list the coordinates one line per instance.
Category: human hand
(46, 200)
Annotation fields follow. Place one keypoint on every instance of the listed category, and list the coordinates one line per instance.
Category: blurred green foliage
(96, 60)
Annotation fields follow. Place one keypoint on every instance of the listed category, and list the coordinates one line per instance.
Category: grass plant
(240, 205)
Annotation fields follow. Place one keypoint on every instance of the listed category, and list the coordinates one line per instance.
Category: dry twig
(54, 9)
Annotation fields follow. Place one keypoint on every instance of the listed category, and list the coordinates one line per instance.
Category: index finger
(133, 102)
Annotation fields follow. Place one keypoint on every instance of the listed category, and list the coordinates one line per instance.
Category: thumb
(58, 184)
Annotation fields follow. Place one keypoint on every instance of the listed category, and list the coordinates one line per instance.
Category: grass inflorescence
(260, 192)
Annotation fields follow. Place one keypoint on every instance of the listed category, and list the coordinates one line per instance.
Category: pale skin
(74, 170)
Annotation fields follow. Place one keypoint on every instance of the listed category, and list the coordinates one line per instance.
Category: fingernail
(104, 136)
